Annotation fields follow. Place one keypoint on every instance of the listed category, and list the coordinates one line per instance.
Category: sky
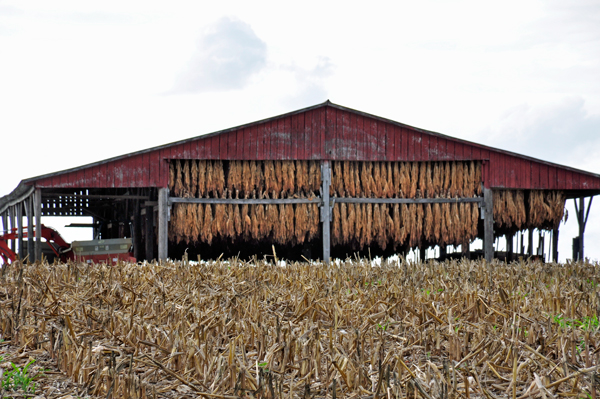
(85, 81)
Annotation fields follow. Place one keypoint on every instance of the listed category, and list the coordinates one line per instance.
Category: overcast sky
(85, 81)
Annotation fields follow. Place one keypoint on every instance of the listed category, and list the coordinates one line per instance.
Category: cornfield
(231, 329)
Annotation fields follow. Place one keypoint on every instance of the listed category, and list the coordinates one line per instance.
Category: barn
(319, 181)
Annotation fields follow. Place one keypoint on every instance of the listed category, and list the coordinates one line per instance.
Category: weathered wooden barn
(325, 177)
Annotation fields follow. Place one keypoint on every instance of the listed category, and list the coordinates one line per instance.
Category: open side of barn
(321, 179)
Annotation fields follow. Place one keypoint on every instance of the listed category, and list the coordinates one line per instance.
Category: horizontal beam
(317, 200)
(94, 196)
(405, 200)
(252, 201)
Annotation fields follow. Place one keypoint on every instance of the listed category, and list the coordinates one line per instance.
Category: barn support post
(149, 223)
(582, 218)
(137, 230)
(443, 252)
(510, 238)
(20, 230)
(37, 209)
(488, 224)
(325, 210)
(555, 245)
(11, 219)
(163, 223)
(30, 253)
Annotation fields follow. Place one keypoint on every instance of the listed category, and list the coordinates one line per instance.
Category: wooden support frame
(319, 200)
(408, 200)
(555, 245)
(137, 229)
(582, 218)
(488, 224)
(30, 228)
(181, 200)
(20, 230)
(163, 223)
(37, 209)
(325, 202)
(326, 210)
(11, 220)
(149, 225)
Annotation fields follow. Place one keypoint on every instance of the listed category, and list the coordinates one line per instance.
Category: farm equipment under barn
(55, 247)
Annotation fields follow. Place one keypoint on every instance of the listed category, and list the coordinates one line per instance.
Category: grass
(19, 379)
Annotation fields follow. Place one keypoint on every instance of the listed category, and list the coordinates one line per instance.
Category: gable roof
(324, 131)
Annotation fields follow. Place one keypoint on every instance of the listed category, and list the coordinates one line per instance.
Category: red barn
(377, 184)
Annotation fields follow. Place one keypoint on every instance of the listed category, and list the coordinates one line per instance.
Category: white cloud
(309, 86)
(227, 56)
(562, 132)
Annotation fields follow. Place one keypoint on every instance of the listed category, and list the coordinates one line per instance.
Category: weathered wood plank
(325, 210)
(163, 221)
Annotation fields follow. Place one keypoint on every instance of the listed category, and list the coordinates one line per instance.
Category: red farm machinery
(54, 247)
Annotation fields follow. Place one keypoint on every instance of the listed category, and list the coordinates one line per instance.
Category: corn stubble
(255, 330)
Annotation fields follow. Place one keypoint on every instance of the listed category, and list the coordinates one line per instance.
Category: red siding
(326, 132)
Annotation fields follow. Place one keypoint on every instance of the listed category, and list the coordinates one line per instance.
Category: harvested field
(235, 329)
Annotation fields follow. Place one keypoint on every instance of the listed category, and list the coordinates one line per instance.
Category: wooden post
(555, 245)
(163, 223)
(37, 209)
(137, 230)
(443, 252)
(581, 223)
(325, 210)
(509, 247)
(582, 218)
(530, 240)
(488, 224)
(149, 233)
(30, 252)
(20, 230)
(11, 219)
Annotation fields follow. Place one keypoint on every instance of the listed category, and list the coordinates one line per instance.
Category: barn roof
(324, 131)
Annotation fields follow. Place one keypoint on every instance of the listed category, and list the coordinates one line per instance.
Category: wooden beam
(11, 219)
(318, 200)
(94, 196)
(37, 210)
(510, 239)
(149, 223)
(137, 230)
(181, 200)
(30, 222)
(20, 230)
(325, 210)
(555, 245)
(488, 224)
(163, 223)
(408, 200)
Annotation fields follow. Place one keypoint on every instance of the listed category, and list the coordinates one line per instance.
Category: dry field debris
(232, 329)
